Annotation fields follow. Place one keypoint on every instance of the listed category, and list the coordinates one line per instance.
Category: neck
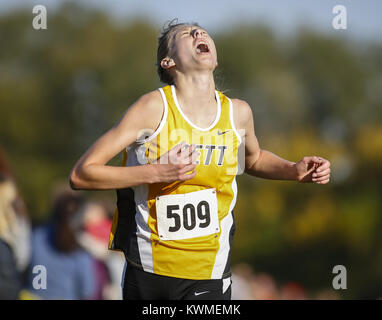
(196, 89)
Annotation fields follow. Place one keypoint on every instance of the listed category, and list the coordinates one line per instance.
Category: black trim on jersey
(125, 237)
(227, 269)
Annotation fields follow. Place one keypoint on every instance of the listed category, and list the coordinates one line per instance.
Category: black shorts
(142, 285)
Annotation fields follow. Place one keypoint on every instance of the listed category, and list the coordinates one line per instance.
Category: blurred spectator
(265, 288)
(94, 238)
(246, 285)
(327, 294)
(14, 233)
(69, 269)
(10, 275)
(242, 277)
(21, 229)
(292, 291)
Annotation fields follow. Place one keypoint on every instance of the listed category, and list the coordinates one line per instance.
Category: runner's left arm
(265, 164)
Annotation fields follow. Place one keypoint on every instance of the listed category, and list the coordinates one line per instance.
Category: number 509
(188, 216)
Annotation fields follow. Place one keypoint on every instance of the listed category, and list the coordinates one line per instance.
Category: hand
(176, 164)
(313, 169)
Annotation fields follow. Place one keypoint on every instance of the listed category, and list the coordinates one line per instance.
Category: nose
(197, 33)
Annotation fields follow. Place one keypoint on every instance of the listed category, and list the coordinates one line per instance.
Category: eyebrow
(187, 29)
(184, 29)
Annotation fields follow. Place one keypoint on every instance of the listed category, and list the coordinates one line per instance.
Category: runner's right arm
(91, 172)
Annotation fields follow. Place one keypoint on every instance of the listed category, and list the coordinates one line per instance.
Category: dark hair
(66, 208)
(164, 46)
(66, 205)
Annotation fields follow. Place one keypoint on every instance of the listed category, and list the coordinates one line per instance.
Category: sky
(283, 16)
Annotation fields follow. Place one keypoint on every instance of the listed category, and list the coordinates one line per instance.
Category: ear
(167, 63)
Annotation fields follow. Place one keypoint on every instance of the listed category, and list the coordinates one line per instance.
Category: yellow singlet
(183, 229)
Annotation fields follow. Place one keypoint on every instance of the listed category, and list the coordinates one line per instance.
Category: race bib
(189, 215)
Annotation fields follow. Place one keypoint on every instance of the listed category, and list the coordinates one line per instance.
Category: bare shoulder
(242, 113)
(241, 105)
(149, 102)
(145, 113)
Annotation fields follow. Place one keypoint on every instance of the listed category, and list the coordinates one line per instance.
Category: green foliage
(61, 88)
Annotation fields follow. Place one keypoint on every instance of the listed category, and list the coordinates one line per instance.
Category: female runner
(183, 146)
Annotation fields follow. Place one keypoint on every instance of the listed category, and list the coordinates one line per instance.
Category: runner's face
(194, 48)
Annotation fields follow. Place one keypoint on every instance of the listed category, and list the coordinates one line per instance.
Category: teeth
(202, 47)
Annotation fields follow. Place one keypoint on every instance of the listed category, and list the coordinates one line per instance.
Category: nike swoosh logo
(199, 293)
(220, 132)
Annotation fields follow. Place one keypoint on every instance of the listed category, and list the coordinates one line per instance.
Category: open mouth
(202, 48)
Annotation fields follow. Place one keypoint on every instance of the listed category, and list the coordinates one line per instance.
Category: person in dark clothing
(10, 277)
